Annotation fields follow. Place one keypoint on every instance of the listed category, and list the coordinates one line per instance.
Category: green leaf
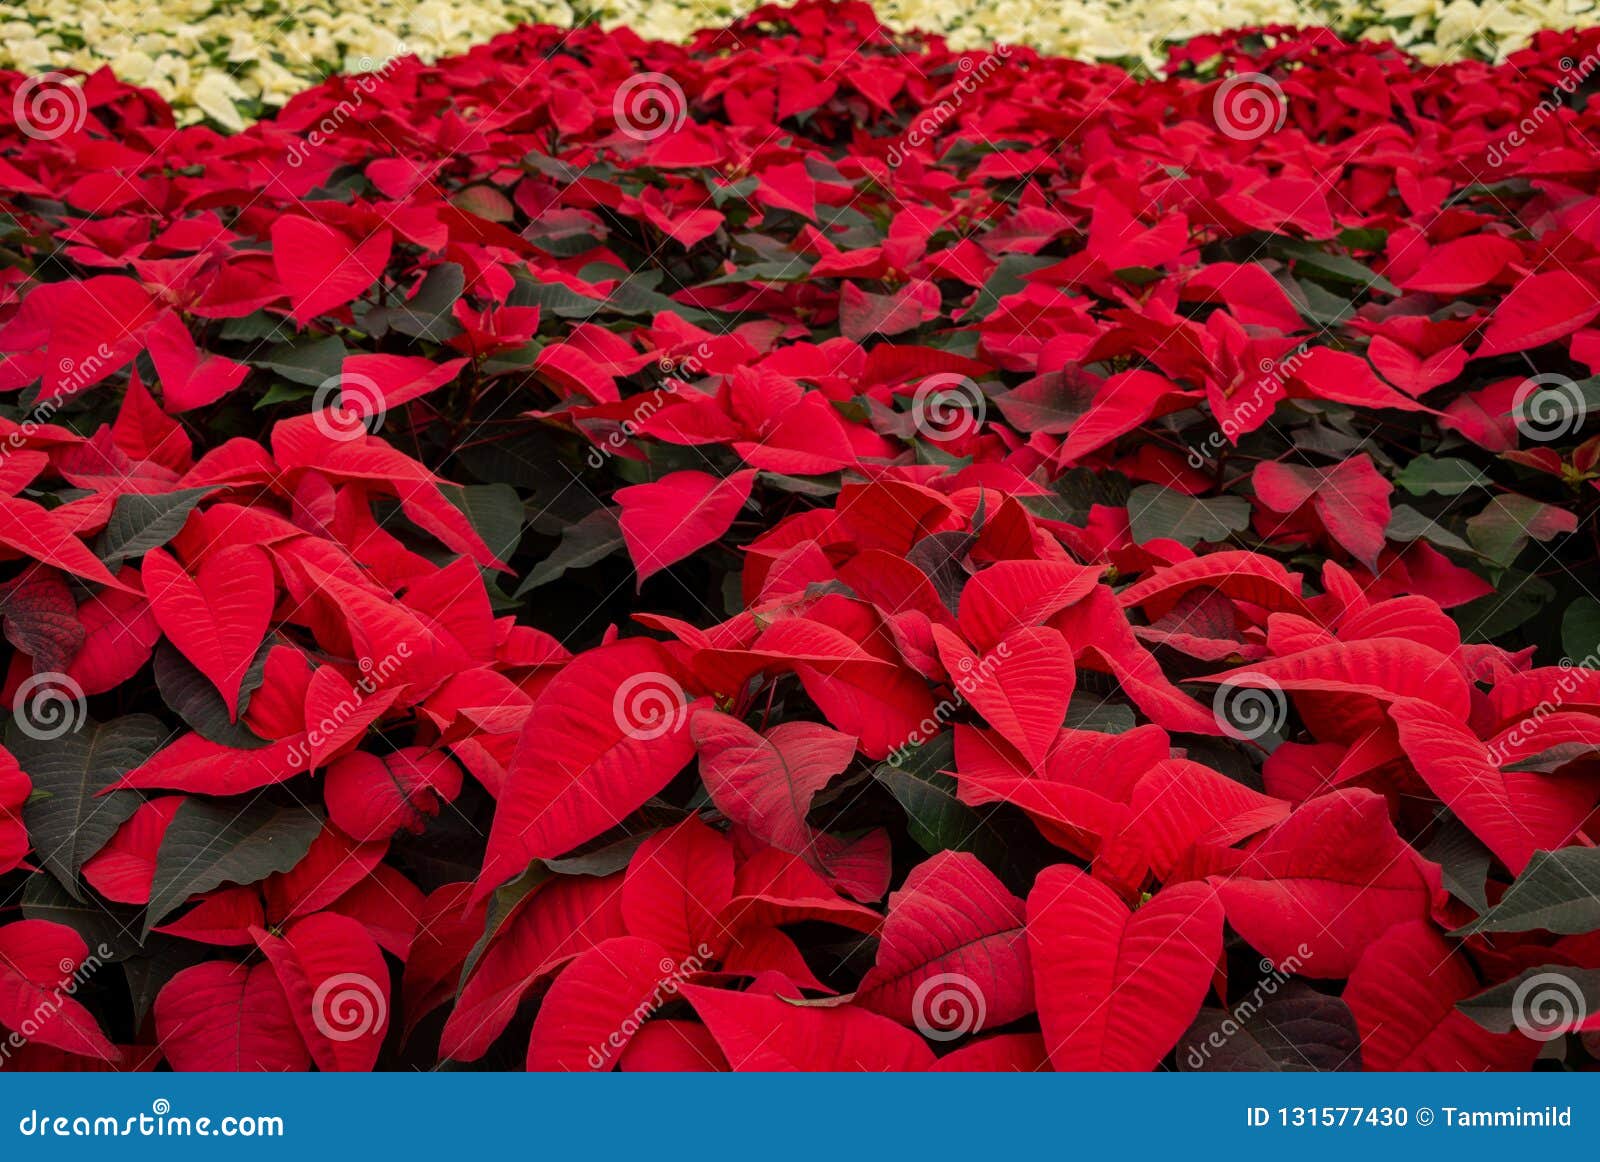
(1464, 861)
(935, 818)
(1090, 712)
(1323, 306)
(495, 512)
(1515, 1004)
(1007, 279)
(427, 313)
(210, 844)
(1363, 238)
(308, 361)
(1559, 892)
(1449, 476)
(110, 930)
(281, 392)
(503, 904)
(142, 521)
(1156, 512)
(1503, 528)
(1580, 630)
(75, 821)
(553, 298)
(1311, 261)
(194, 696)
(1407, 524)
(1558, 405)
(1518, 596)
(592, 539)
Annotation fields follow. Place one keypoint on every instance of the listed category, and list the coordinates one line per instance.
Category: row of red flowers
(805, 550)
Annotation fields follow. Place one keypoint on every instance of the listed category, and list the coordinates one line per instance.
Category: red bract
(916, 560)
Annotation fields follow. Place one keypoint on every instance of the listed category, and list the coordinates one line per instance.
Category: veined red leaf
(1116, 989)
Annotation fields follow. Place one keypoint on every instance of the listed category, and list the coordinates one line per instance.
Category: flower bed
(547, 559)
(232, 60)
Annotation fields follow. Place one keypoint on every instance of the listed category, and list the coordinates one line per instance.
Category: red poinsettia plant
(806, 550)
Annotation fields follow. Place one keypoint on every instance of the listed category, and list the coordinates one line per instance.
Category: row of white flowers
(229, 60)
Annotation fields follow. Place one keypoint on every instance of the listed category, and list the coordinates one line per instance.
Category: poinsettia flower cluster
(794, 553)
